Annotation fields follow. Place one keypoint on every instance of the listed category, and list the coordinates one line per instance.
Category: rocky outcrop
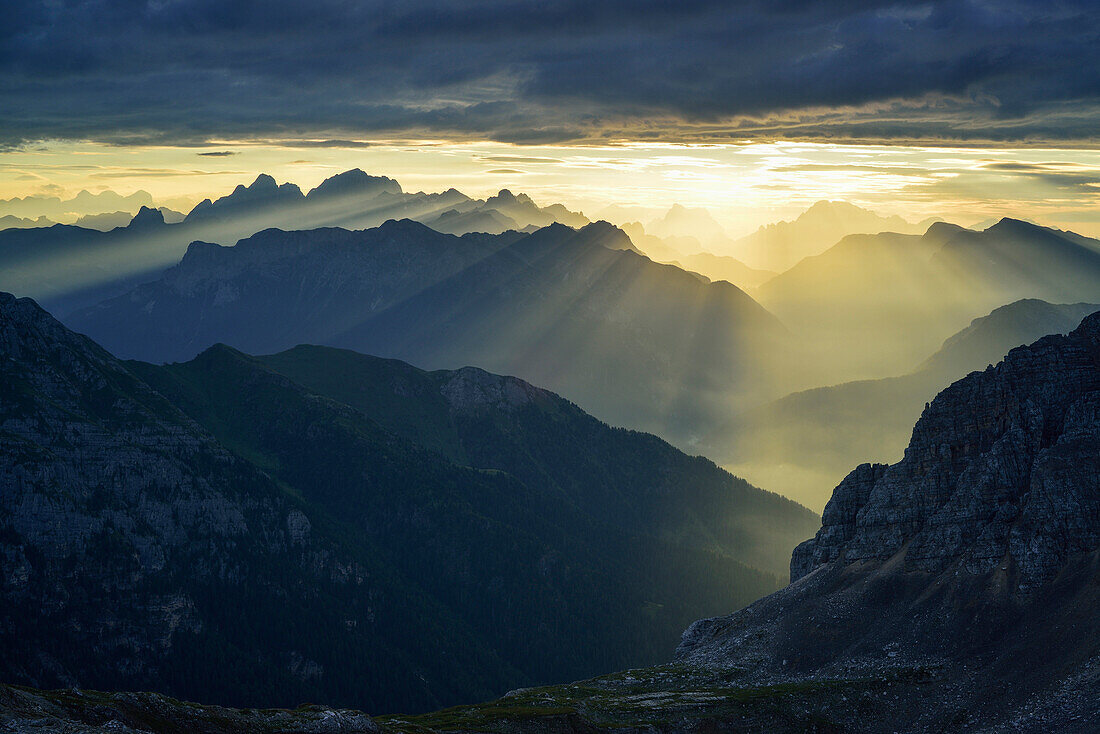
(1003, 471)
(473, 390)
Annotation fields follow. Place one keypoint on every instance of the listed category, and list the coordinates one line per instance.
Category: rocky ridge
(997, 475)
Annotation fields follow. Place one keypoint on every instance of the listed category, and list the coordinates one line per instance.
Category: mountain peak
(683, 221)
(221, 353)
(9, 303)
(505, 197)
(406, 225)
(473, 390)
(608, 235)
(354, 181)
(263, 181)
(146, 217)
(1089, 329)
(941, 232)
(827, 206)
(1010, 224)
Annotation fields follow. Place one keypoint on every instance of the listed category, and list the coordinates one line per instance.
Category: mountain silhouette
(639, 344)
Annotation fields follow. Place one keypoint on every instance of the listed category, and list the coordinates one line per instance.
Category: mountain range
(579, 311)
(780, 246)
(875, 305)
(318, 524)
(666, 348)
(954, 590)
(84, 203)
(69, 266)
(692, 239)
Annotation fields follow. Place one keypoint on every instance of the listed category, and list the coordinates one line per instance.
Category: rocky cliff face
(1002, 472)
(93, 460)
(975, 560)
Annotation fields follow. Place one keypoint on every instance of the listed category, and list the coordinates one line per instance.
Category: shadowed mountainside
(954, 590)
(277, 543)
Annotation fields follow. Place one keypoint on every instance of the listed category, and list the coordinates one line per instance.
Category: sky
(969, 109)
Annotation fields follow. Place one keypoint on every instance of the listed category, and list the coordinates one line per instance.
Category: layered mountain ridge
(875, 305)
(637, 343)
(955, 590)
(67, 267)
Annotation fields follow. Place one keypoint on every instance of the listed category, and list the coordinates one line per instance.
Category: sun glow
(744, 185)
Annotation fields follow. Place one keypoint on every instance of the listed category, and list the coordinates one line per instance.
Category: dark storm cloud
(186, 71)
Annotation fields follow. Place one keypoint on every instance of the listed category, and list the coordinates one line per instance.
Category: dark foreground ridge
(953, 591)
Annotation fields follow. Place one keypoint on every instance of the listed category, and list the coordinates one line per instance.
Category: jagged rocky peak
(602, 233)
(1002, 474)
(505, 196)
(147, 217)
(264, 190)
(263, 185)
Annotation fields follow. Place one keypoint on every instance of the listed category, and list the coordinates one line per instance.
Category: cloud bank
(188, 72)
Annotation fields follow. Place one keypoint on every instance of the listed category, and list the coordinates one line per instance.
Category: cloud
(1059, 175)
(323, 143)
(338, 71)
(218, 153)
(518, 159)
(505, 170)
